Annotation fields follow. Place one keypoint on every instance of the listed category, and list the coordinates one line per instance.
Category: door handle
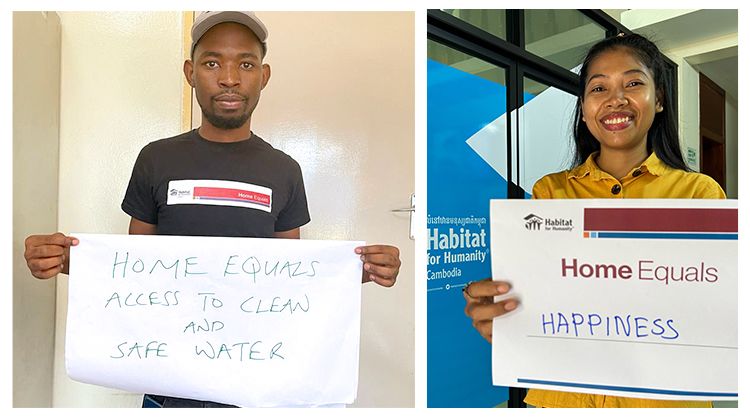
(410, 210)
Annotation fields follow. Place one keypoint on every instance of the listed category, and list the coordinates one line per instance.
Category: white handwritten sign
(249, 322)
(619, 297)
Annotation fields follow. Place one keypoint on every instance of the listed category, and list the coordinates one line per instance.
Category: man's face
(227, 74)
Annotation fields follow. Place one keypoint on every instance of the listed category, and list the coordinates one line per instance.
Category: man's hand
(381, 264)
(48, 255)
(480, 305)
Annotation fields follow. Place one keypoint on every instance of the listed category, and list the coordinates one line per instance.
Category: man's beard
(223, 122)
(227, 123)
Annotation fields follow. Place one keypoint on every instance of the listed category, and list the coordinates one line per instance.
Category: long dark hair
(662, 138)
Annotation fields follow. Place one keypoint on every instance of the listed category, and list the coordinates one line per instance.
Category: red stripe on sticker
(660, 220)
(231, 194)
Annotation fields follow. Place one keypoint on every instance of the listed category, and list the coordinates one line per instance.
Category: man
(223, 156)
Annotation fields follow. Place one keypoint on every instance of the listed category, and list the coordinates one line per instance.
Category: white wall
(36, 113)
(121, 85)
(688, 88)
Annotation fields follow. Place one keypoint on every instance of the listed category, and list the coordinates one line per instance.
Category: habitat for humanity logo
(174, 192)
(534, 222)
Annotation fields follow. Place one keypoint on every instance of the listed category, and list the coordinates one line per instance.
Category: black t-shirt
(187, 185)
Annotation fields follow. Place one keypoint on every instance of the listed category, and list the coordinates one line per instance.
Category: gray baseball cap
(207, 20)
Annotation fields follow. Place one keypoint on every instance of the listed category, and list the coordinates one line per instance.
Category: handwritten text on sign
(250, 322)
(618, 297)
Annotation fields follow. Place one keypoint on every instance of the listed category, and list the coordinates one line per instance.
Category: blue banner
(460, 184)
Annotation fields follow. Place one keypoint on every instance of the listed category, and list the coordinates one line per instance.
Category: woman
(626, 146)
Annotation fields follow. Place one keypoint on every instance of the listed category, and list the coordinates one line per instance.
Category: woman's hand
(480, 305)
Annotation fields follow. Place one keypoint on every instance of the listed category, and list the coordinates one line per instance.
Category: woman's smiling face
(620, 100)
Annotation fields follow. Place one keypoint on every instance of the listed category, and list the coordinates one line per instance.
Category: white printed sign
(249, 322)
(632, 298)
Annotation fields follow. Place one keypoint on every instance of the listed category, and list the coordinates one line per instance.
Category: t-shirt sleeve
(295, 213)
(139, 197)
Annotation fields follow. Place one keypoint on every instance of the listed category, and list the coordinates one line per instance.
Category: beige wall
(120, 89)
(36, 112)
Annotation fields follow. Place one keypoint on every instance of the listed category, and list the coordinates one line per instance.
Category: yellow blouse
(652, 179)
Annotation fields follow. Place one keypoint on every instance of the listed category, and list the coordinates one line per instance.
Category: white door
(341, 102)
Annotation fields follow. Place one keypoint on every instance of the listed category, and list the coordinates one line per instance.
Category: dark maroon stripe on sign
(660, 220)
